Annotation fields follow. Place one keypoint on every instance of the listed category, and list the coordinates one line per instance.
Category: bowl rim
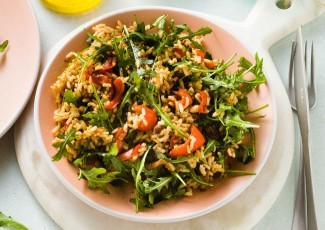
(145, 219)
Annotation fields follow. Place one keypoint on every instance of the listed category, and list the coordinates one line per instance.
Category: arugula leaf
(175, 174)
(191, 34)
(8, 221)
(256, 69)
(151, 185)
(182, 159)
(117, 164)
(138, 181)
(70, 97)
(3, 45)
(98, 178)
(110, 159)
(246, 153)
(66, 140)
(210, 146)
(235, 120)
(215, 84)
(123, 55)
(160, 22)
(91, 37)
(81, 161)
(239, 172)
(126, 100)
(99, 117)
(197, 178)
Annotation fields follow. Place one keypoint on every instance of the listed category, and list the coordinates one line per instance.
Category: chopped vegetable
(119, 136)
(117, 96)
(3, 45)
(202, 107)
(195, 141)
(149, 117)
(8, 221)
(128, 155)
(186, 99)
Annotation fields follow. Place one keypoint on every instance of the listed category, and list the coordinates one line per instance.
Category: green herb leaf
(138, 181)
(150, 185)
(66, 140)
(98, 117)
(70, 97)
(98, 178)
(8, 221)
(197, 178)
(3, 45)
(256, 69)
(239, 172)
(235, 120)
(210, 146)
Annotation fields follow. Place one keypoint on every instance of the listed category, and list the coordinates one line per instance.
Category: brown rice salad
(146, 104)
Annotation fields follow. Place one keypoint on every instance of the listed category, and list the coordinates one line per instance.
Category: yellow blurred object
(71, 6)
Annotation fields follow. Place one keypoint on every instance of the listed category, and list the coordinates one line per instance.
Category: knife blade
(302, 104)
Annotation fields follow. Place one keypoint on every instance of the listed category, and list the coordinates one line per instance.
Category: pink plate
(222, 45)
(19, 65)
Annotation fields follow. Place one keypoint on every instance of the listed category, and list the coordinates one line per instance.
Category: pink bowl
(222, 45)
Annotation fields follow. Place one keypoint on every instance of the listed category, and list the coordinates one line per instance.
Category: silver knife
(302, 104)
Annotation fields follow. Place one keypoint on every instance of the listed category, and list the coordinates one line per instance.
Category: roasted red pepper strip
(179, 51)
(186, 99)
(100, 79)
(204, 101)
(128, 155)
(172, 143)
(119, 136)
(109, 64)
(200, 53)
(210, 64)
(149, 115)
(118, 91)
(195, 141)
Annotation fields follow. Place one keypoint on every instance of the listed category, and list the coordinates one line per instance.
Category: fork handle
(311, 210)
(299, 217)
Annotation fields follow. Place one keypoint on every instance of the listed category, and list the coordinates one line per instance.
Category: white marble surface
(16, 198)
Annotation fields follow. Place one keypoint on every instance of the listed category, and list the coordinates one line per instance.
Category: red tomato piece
(178, 50)
(200, 53)
(119, 136)
(109, 64)
(186, 99)
(210, 64)
(129, 154)
(194, 142)
(150, 117)
(100, 79)
(204, 101)
(118, 86)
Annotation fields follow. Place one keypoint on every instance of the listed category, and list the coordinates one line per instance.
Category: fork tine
(306, 61)
(291, 64)
(291, 83)
(312, 76)
(312, 87)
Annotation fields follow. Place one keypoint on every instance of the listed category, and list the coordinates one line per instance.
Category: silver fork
(299, 219)
(311, 83)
